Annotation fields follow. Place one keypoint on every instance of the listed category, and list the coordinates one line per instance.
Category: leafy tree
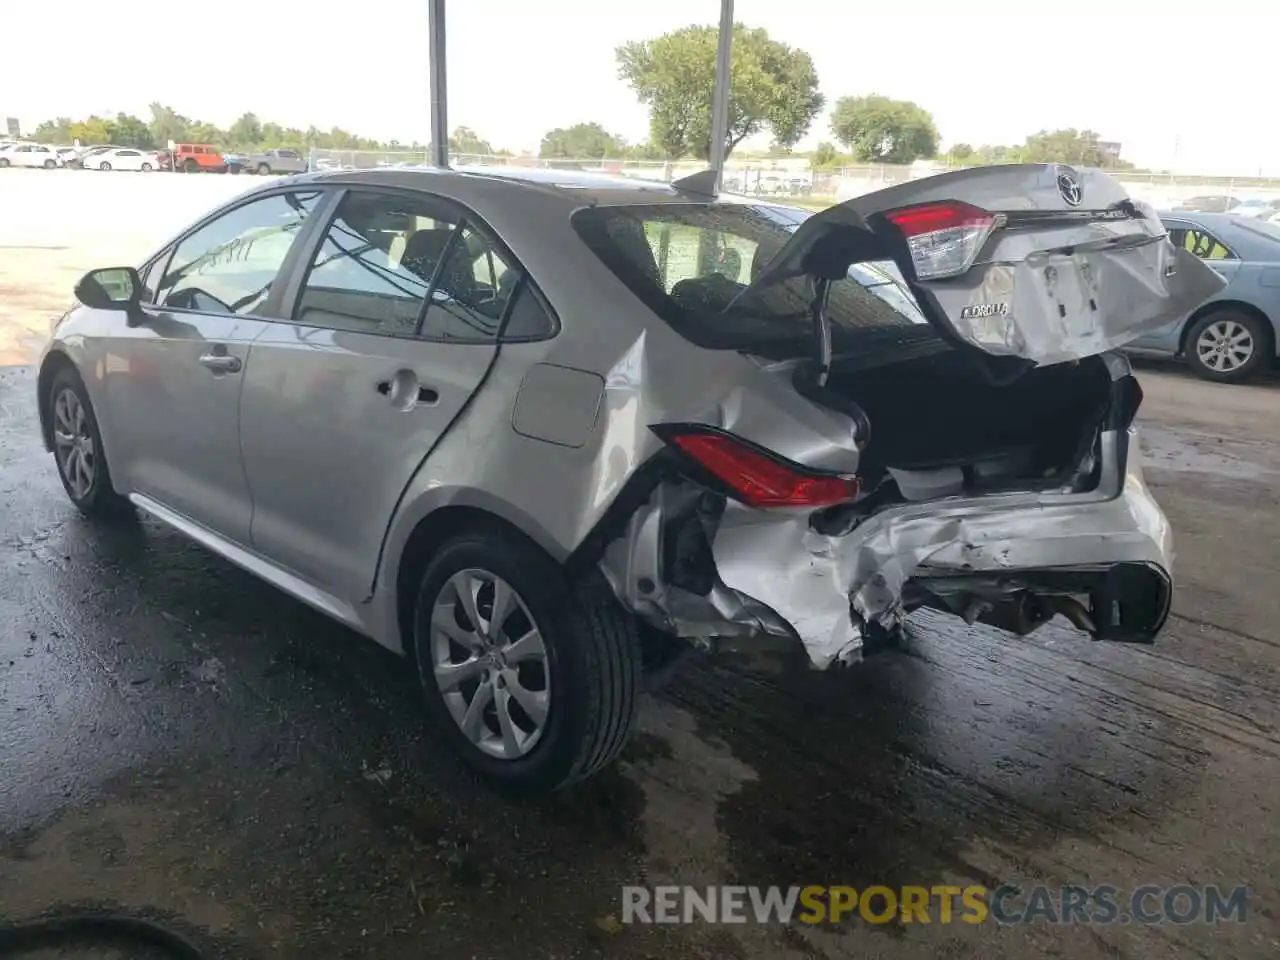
(55, 131)
(129, 131)
(961, 152)
(825, 155)
(93, 129)
(466, 140)
(246, 131)
(585, 140)
(772, 87)
(1081, 147)
(878, 129)
(167, 124)
(201, 132)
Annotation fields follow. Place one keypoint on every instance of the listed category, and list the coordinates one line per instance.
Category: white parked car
(125, 158)
(29, 155)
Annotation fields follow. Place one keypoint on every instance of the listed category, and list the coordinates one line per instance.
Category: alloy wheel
(1225, 346)
(73, 443)
(490, 664)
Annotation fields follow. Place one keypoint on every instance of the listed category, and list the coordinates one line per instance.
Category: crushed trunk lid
(1035, 261)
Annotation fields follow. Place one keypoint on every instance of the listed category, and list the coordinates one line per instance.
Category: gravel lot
(178, 740)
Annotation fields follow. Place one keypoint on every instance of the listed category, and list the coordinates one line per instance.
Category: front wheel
(50, 164)
(105, 167)
(146, 168)
(533, 681)
(190, 166)
(3, 163)
(263, 170)
(77, 449)
(1227, 346)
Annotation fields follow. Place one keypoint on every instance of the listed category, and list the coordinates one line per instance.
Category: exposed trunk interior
(939, 426)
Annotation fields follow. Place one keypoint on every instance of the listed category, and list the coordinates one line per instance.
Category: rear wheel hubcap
(490, 664)
(73, 443)
(1225, 346)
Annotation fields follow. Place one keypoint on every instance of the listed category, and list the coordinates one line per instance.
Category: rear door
(174, 377)
(344, 401)
(1036, 261)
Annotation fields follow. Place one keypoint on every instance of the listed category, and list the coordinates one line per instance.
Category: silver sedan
(543, 432)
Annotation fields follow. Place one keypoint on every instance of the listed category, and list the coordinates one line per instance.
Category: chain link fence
(792, 177)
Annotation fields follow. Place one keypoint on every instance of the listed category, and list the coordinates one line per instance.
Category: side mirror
(110, 288)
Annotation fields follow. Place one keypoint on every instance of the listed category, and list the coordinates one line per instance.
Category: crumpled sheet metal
(1062, 306)
(812, 580)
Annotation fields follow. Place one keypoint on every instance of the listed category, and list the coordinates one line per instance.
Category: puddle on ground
(1201, 453)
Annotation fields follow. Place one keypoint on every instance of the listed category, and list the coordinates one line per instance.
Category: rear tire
(190, 166)
(1228, 345)
(3, 163)
(263, 170)
(105, 167)
(50, 165)
(78, 451)
(586, 653)
(146, 168)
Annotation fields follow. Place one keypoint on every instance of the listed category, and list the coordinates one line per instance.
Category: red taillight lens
(759, 480)
(945, 237)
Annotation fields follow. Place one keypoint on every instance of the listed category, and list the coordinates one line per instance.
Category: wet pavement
(182, 742)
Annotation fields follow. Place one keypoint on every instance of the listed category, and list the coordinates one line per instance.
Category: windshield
(688, 262)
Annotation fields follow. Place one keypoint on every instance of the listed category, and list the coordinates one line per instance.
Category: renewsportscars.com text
(942, 904)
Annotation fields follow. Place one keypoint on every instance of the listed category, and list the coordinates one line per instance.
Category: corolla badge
(1069, 187)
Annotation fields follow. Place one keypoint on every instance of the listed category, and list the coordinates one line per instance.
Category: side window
(151, 276)
(471, 291)
(371, 273)
(1199, 242)
(528, 319)
(229, 265)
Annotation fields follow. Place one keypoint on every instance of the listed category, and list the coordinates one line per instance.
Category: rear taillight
(945, 237)
(757, 478)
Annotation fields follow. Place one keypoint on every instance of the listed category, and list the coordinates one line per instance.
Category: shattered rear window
(688, 262)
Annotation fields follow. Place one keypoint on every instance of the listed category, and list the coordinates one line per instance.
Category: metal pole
(439, 93)
(720, 99)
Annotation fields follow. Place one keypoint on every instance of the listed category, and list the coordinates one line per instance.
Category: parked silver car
(275, 161)
(540, 431)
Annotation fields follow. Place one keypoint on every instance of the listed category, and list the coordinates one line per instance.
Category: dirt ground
(182, 742)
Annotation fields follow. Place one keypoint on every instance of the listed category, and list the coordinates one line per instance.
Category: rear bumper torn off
(776, 576)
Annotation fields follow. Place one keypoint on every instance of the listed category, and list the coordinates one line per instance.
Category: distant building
(1110, 148)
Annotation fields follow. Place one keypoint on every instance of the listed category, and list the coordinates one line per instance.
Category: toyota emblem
(1069, 187)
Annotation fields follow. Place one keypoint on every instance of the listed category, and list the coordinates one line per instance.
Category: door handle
(220, 363)
(425, 395)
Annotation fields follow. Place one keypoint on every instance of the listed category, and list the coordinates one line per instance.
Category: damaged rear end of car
(931, 414)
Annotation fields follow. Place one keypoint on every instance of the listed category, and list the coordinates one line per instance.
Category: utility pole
(720, 99)
(439, 90)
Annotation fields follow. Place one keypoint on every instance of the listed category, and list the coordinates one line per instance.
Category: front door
(174, 377)
(341, 406)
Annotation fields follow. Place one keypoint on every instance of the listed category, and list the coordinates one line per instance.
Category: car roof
(577, 187)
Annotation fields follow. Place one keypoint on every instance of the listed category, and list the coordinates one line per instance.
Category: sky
(1180, 84)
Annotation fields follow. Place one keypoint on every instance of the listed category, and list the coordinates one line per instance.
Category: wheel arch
(1216, 306)
(55, 361)
(425, 539)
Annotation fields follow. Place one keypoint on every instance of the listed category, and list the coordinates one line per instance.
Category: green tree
(585, 140)
(825, 155)
(466, 140)
(961, 152)
(129, 131)
(201, 132)
(167, 124)
(92, 129)
(772, 87)
(246, 131)
(877, 129)
(1081, 147)
(55, 131)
